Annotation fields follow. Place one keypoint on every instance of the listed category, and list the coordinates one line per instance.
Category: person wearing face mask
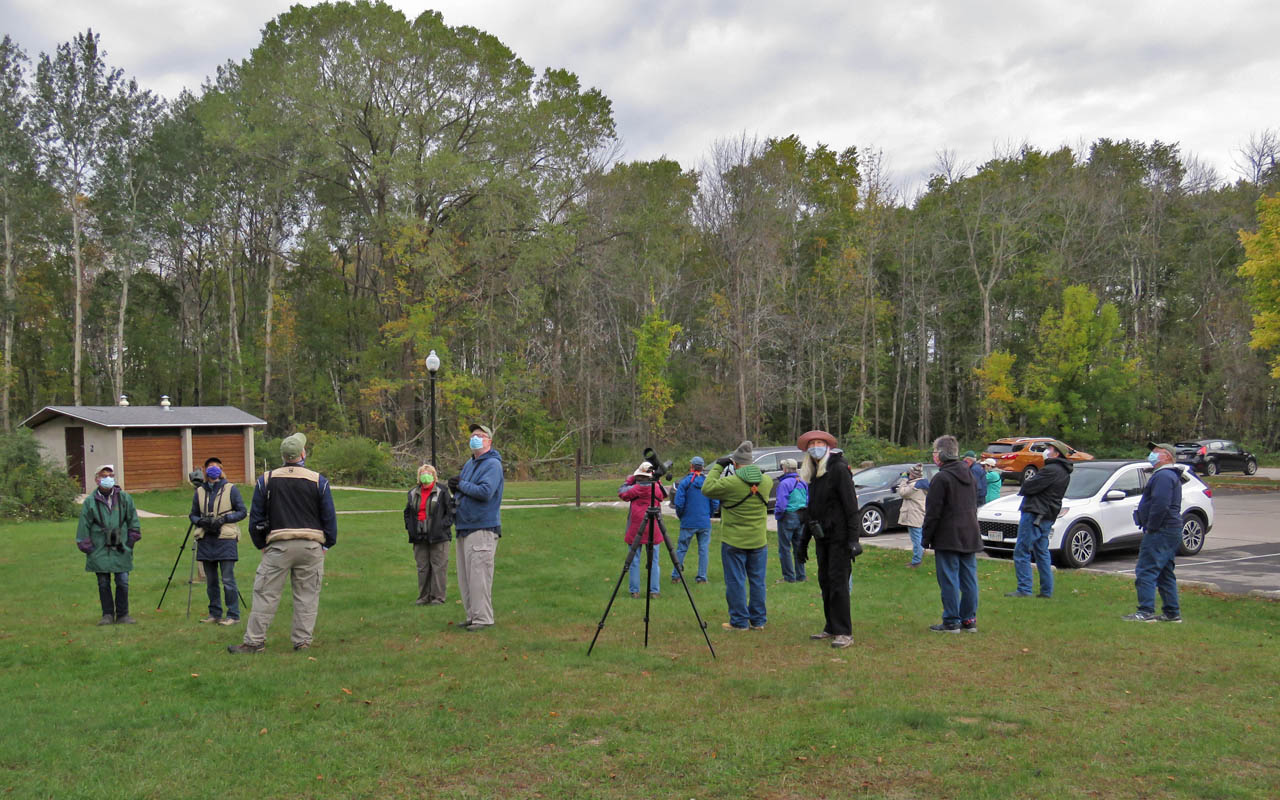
(428, 519)
(478, 521)
(1041, 501)
(1159, 514)
(107, 533)
(216, 507)
(833, 526)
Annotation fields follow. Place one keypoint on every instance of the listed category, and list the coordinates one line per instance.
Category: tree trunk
(118, 372)
(9, 312)
(79, 300)
(266, 347)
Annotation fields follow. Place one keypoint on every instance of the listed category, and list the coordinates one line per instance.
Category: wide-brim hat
(811, 436)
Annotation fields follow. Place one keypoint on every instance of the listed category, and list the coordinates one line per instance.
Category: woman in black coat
(833, 507)
(428, 519)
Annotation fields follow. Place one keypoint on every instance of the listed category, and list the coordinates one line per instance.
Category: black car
(878, 504)
(1211, 456)
(769, 460)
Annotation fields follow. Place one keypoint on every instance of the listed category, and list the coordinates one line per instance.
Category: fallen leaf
(262, 732)
(195, 674)
(311, 658)
(346, 690)
(555, 713)
(802, 758)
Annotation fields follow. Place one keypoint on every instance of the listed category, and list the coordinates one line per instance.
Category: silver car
(1097, 513)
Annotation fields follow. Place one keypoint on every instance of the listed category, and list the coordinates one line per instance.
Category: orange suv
(1022, 457)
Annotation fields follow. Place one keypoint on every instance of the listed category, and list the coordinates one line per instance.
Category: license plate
(995, 536)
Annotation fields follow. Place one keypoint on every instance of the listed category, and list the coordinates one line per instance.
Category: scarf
(423, 499)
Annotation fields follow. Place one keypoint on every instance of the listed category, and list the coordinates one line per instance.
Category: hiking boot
(820, 635)
(210, 618)
(1017, 594)
(302, 646)
(969, 625)
(841, 641)
(107, 619)
(245, 648)
(476, 627)
(226, 621)
(1139, 616)
(729, 627)
(1169, 618)
(675, 578)
(126, 620)
(943, 627)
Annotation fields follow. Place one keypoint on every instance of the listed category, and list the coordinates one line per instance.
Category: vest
(293, 504)
(221, 506)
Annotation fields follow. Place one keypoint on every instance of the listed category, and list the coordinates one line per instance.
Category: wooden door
(74, 438)
(225, 444)
(152, 459)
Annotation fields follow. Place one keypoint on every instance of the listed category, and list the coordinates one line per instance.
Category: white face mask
(818, 451)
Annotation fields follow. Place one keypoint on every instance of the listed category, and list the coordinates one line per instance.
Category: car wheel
(1079, 546)
(1192, 535)
(872, 521)
(1029, 473)
(1211, 468)
(1250, 467)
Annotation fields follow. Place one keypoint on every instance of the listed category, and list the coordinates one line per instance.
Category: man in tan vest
(216, 507)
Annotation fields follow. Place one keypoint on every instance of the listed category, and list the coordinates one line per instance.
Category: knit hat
(292, 447)
(808, 438)
(916, 472)
(743, 454)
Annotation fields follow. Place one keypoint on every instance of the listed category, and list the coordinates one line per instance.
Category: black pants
(119, 607)
(833, 579)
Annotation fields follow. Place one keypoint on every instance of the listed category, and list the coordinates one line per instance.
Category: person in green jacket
(107, 532)
(994, 481)
(744, 551)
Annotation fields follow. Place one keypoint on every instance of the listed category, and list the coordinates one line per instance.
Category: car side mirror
(1115, 494)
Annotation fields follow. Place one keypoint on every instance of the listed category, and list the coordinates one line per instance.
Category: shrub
(30, 487)
(342, 459)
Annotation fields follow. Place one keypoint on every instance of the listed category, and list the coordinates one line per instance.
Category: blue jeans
(743, 568)
(119, 606)
(1155, 571)
(790, 527)
(704, 550)
(228, 569)
(917, 549)
(1033, 540)
(654, 579)
(958, 580)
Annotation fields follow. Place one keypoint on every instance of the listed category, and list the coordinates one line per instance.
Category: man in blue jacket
(478, 522)
(694, 511)
(1159, 514)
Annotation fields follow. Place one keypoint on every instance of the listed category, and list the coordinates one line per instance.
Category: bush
(30, 487)
(343, 459)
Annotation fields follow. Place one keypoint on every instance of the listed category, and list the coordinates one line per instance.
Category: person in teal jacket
(994, 481)
(107, 532)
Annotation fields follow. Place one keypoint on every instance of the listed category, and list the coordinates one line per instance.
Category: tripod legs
(181, 549)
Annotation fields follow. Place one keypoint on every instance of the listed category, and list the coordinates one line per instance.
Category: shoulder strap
(755, 490)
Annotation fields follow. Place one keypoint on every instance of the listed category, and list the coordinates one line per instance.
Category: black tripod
(191, 577)
(652, 524)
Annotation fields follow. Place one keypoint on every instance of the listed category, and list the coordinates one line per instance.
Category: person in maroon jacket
(639, 488)
(951, 531)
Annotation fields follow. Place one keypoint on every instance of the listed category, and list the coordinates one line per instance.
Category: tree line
(363, 188)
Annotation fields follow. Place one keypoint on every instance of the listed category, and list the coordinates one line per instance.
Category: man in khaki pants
(478, 522)
(293, 523)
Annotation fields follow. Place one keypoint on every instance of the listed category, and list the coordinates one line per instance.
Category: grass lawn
(1057, 699)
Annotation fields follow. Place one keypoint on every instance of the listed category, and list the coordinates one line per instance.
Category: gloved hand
(855, 548)
(453, 484)
(802, 553)
(206, 523)
(133, 537)
(724, 461)
(85, 545)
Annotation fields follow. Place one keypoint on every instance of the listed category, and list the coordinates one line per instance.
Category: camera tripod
(652, 524)
(191, 577)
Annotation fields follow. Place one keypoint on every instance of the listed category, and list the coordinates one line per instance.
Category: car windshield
(876, 476)
(1087, 480)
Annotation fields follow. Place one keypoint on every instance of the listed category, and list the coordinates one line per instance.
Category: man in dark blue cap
(694, 511)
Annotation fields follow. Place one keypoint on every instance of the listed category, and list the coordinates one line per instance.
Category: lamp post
(433, 364)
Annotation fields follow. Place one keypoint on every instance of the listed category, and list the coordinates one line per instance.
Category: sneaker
(466, 624)
(915, 564)
(1017, 594)
(700, 580)
(419, 602)
(1139, 616)
(841, 641)
(757, 627)
(107, 619)
(969, 625)
(729, 627)
(227, 621)
(245, 648)
(675, 578)
(1043, 596)
(943, 627)
(820, 635)
(475, 627)
(435, 602)
(636, 595)
(126, 620)
(1169, 618)
(210, 618)
(302, 646)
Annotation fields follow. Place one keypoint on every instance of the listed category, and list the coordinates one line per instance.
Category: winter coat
(108, 529)
(833, 501)
(639, 495)
(1160, 509)
(438, 526)
(994, 484)
(793, 495)
(692, 507)
(479, 498)
(979, 482)
(217, 499)
(743, 512)
(912, 493)
(1042, 493)
(951, 511)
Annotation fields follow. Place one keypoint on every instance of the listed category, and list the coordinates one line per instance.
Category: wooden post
(577, 477)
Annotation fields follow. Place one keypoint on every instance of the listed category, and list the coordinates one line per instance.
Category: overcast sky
(908, 78)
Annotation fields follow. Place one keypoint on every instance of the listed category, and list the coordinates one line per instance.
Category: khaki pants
(433, 570)
(474, 556)
(302, 561)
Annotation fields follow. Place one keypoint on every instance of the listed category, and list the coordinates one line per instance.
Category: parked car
(1212, 456)
(878, 504)
(1097, 513)
(768, 460)
(1021, 457)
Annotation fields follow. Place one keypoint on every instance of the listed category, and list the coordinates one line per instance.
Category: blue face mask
(476, 443)
(818, 451)
(1152, 457)
(107, 482)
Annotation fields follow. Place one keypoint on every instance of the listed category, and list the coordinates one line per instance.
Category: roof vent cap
(164, 402)
(124, 401)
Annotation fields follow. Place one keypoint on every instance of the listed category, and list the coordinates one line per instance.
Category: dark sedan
(878, 504)
(1211, 456)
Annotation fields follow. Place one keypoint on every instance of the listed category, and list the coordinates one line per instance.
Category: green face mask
(427, 479)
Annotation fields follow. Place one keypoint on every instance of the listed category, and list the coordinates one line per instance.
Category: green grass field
(1056, 699)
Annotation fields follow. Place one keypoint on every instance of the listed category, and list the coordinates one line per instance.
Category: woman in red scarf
(428, 519)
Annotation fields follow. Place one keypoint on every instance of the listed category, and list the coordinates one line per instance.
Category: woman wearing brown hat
(833, 506)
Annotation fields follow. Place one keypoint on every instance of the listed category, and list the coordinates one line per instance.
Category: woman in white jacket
(912, 489)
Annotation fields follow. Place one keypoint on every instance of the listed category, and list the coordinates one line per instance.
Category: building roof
(149, 416)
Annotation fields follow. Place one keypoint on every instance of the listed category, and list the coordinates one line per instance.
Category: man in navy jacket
(694, 511)
(1159, 514)
(478, 522)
